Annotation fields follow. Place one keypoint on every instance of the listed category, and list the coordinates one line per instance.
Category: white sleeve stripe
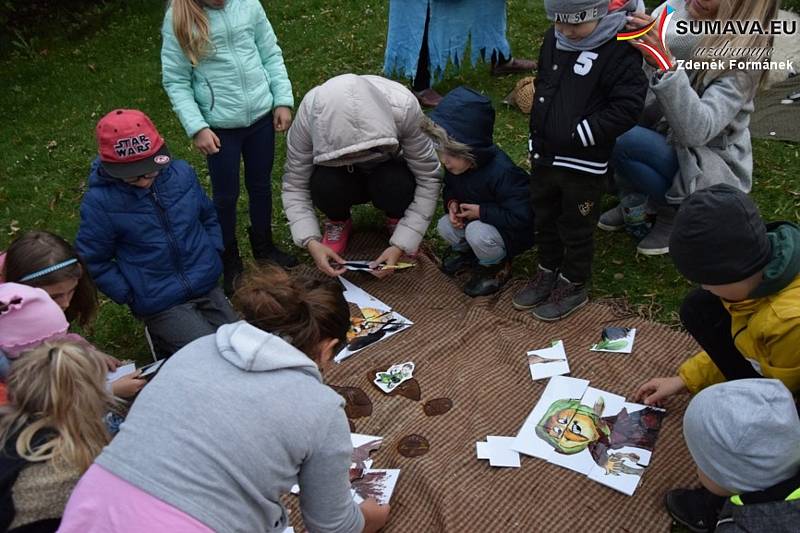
(588, 132)
(583, 137)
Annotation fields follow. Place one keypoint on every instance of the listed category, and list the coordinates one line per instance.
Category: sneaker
(695, 509)
(657, 241)
(458, 262)
(275, 255)
(488, 280)
(265, 252)
(428, 97)
(337, 234)
(612, 220)
(566, 298)
(537, 291)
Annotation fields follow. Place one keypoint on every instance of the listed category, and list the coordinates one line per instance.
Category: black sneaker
(275, 255)
(537, 291)
(488, 280)
(232, 268)
(566, 298)
(458, 262)
(695, 509)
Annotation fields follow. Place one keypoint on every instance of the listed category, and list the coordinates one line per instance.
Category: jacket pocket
(203, 85)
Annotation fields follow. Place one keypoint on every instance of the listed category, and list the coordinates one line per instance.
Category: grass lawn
(61, 76)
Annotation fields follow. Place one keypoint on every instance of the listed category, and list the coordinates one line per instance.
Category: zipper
(350, 169)
(236, 60)
(211, 90)
(173, 246)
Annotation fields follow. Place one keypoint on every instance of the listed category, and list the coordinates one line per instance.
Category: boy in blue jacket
(149, 234)
(486, 196)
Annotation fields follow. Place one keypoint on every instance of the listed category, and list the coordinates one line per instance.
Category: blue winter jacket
(150, 248)
(497, 185)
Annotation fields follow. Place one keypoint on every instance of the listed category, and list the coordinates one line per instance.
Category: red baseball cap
(130, 145)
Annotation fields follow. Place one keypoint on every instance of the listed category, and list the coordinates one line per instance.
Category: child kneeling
(744, 437)
(486, 196)
(149, 234)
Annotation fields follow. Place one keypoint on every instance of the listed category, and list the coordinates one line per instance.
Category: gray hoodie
(349, 114)
(229, 424)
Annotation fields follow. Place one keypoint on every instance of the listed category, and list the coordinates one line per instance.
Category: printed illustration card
(377, 484)
(615, 339)
(548, 362)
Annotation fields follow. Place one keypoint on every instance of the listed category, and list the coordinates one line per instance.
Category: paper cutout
(121, 372)
(500, 452)
(548, 362)
(592, 432)
(413, 446)
(615, 339)
(395, 375)
(377, 321)
(437, 406)
(376, 484)
(363, 266)
(483, 450)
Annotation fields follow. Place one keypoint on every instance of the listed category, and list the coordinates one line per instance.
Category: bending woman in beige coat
(356, 140)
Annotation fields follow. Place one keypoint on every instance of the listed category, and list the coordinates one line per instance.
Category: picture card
(548, 362)
(376, 484)
(394, 376)
(120, 372)
(500, 452)
(482, 449)
(363, 266)
(615, 339)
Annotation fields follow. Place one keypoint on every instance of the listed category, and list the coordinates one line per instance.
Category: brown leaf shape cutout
(408, 389)
(437, 406)
(357, 404)
(413, 446)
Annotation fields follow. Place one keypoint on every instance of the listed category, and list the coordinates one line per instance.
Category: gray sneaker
(536, 291)
(566, 298)
(612, 220)
(657, 241)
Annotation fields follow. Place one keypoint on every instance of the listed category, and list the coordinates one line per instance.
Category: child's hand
(325, 259)
(655, 391)
(452, 213)
(207, 141)
(112, 363)
(128, 386)
(469, 212)
(375, 515)
(390, 256)
(281, 118)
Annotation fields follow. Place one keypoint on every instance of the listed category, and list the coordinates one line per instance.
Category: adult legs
(390, 187)
(644, 162)
(334, 190)
(705, 318)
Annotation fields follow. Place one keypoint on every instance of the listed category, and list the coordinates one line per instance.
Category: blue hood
(468, 117)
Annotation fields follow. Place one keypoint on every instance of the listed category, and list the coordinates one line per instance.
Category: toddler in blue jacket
(149, 234)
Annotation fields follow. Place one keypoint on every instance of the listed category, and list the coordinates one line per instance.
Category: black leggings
(709, 322)
(388, 186)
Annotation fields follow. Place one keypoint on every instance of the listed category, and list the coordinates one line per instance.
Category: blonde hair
(444, 143)
(763, 11)
(60, 388)
(190, 24)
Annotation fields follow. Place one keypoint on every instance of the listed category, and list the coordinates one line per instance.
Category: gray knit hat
(744, 434)
(575, 11)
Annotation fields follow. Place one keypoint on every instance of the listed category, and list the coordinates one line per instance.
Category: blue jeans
(644, 162)
(256, 145)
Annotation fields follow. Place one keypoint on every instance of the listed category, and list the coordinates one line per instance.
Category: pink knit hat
(28, 317)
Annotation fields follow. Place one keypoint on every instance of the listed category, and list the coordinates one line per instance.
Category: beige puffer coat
(349, 114)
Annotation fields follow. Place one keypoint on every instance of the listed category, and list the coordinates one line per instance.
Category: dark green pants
(566, 205)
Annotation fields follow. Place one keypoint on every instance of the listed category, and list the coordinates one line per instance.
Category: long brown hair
(35, 250)
(58, 387)
(763, 11)
(190, 24)
(302, 310)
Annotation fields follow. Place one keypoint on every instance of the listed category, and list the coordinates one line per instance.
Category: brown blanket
(472, 351)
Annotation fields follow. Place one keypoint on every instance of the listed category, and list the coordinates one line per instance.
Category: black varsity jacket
(583, 102)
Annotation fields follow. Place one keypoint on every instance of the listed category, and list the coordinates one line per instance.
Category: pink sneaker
(337, 233)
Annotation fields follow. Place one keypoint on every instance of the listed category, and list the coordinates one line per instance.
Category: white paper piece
(627, 348)
(558, 388)
(394, 376)
(359, 439)
(288, 530)
(583, 462)
(122, 371)
(378, 484)
(555, 363)
(623, 482)
(482, 449)
(500, 452)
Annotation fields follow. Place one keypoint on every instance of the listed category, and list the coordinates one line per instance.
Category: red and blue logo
(662, 23)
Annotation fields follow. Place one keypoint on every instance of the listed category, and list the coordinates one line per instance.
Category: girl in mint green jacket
(223, 71)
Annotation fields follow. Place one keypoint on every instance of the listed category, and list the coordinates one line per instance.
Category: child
(744, 437)
(50, 433)
(223, 71)
(273, 423)
(29, 317)
(590, 89)
(489, 219)
(746, 315)
(149, 234)
(45, 260)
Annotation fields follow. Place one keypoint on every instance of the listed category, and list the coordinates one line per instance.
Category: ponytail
(301, 310)
(190, 25)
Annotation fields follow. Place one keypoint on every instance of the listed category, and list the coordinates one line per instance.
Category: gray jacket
(349, 114)
(228, 425)
(710, 131)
